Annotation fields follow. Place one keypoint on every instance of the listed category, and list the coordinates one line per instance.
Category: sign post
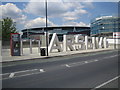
(15, 44)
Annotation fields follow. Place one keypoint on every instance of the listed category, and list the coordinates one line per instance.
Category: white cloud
(38, 8)
(12, 11)
(65, 10)
(56, 9)
(70, 18)
(75, 24)
(38, 22)
(76, 12)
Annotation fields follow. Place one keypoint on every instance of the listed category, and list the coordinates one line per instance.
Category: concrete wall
(114, 43)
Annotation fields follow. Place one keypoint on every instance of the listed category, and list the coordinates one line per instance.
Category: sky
(31, 14)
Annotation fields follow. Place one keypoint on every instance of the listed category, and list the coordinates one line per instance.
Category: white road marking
(99, 86)
(67, 65)
(4, 74)
(96, 60)
(110, 56)
(79, 63)
(11, 75)
(26, 71)
(23, 75)
(42, 70)
(86, 61)
(114, 56)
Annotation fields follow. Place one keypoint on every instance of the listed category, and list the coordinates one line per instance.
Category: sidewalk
(9, 58)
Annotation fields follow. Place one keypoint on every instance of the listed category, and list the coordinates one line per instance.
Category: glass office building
(105, 26)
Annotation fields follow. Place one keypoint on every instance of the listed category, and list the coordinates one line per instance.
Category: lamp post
(46, 28)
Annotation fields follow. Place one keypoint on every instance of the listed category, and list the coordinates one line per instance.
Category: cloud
(76, 24)
(12, 11)
(38, 8)
(70, 18)
(38, 22)
(75, 14)
(56, 9)
(66, 11)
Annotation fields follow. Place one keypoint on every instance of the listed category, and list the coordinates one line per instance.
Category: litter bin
(43, 51)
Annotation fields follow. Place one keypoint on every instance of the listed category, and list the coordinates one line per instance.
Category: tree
(8, 27)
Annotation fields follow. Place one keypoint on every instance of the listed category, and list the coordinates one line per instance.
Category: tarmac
(6, 57)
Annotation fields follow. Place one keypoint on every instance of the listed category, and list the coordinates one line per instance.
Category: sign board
(15, 44)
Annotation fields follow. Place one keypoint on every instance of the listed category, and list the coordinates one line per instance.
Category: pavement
(92, 71)
(35, 55)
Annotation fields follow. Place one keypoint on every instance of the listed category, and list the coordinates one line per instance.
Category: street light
(46, 29)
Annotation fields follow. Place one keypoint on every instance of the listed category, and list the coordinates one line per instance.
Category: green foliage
(8, 27)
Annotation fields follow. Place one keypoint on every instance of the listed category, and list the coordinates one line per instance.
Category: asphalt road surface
(93, 71)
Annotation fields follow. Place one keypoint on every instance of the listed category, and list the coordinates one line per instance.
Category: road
(94, 70)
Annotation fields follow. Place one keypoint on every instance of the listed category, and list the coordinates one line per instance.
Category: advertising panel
(15, 44)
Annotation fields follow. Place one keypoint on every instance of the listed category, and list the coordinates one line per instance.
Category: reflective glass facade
(105, 25)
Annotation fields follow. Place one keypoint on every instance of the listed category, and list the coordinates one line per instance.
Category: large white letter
(88, 42)
(68, 41)
(105, 42)
(54, 44)
(101, 42)
(93, 43)
(79, 41)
